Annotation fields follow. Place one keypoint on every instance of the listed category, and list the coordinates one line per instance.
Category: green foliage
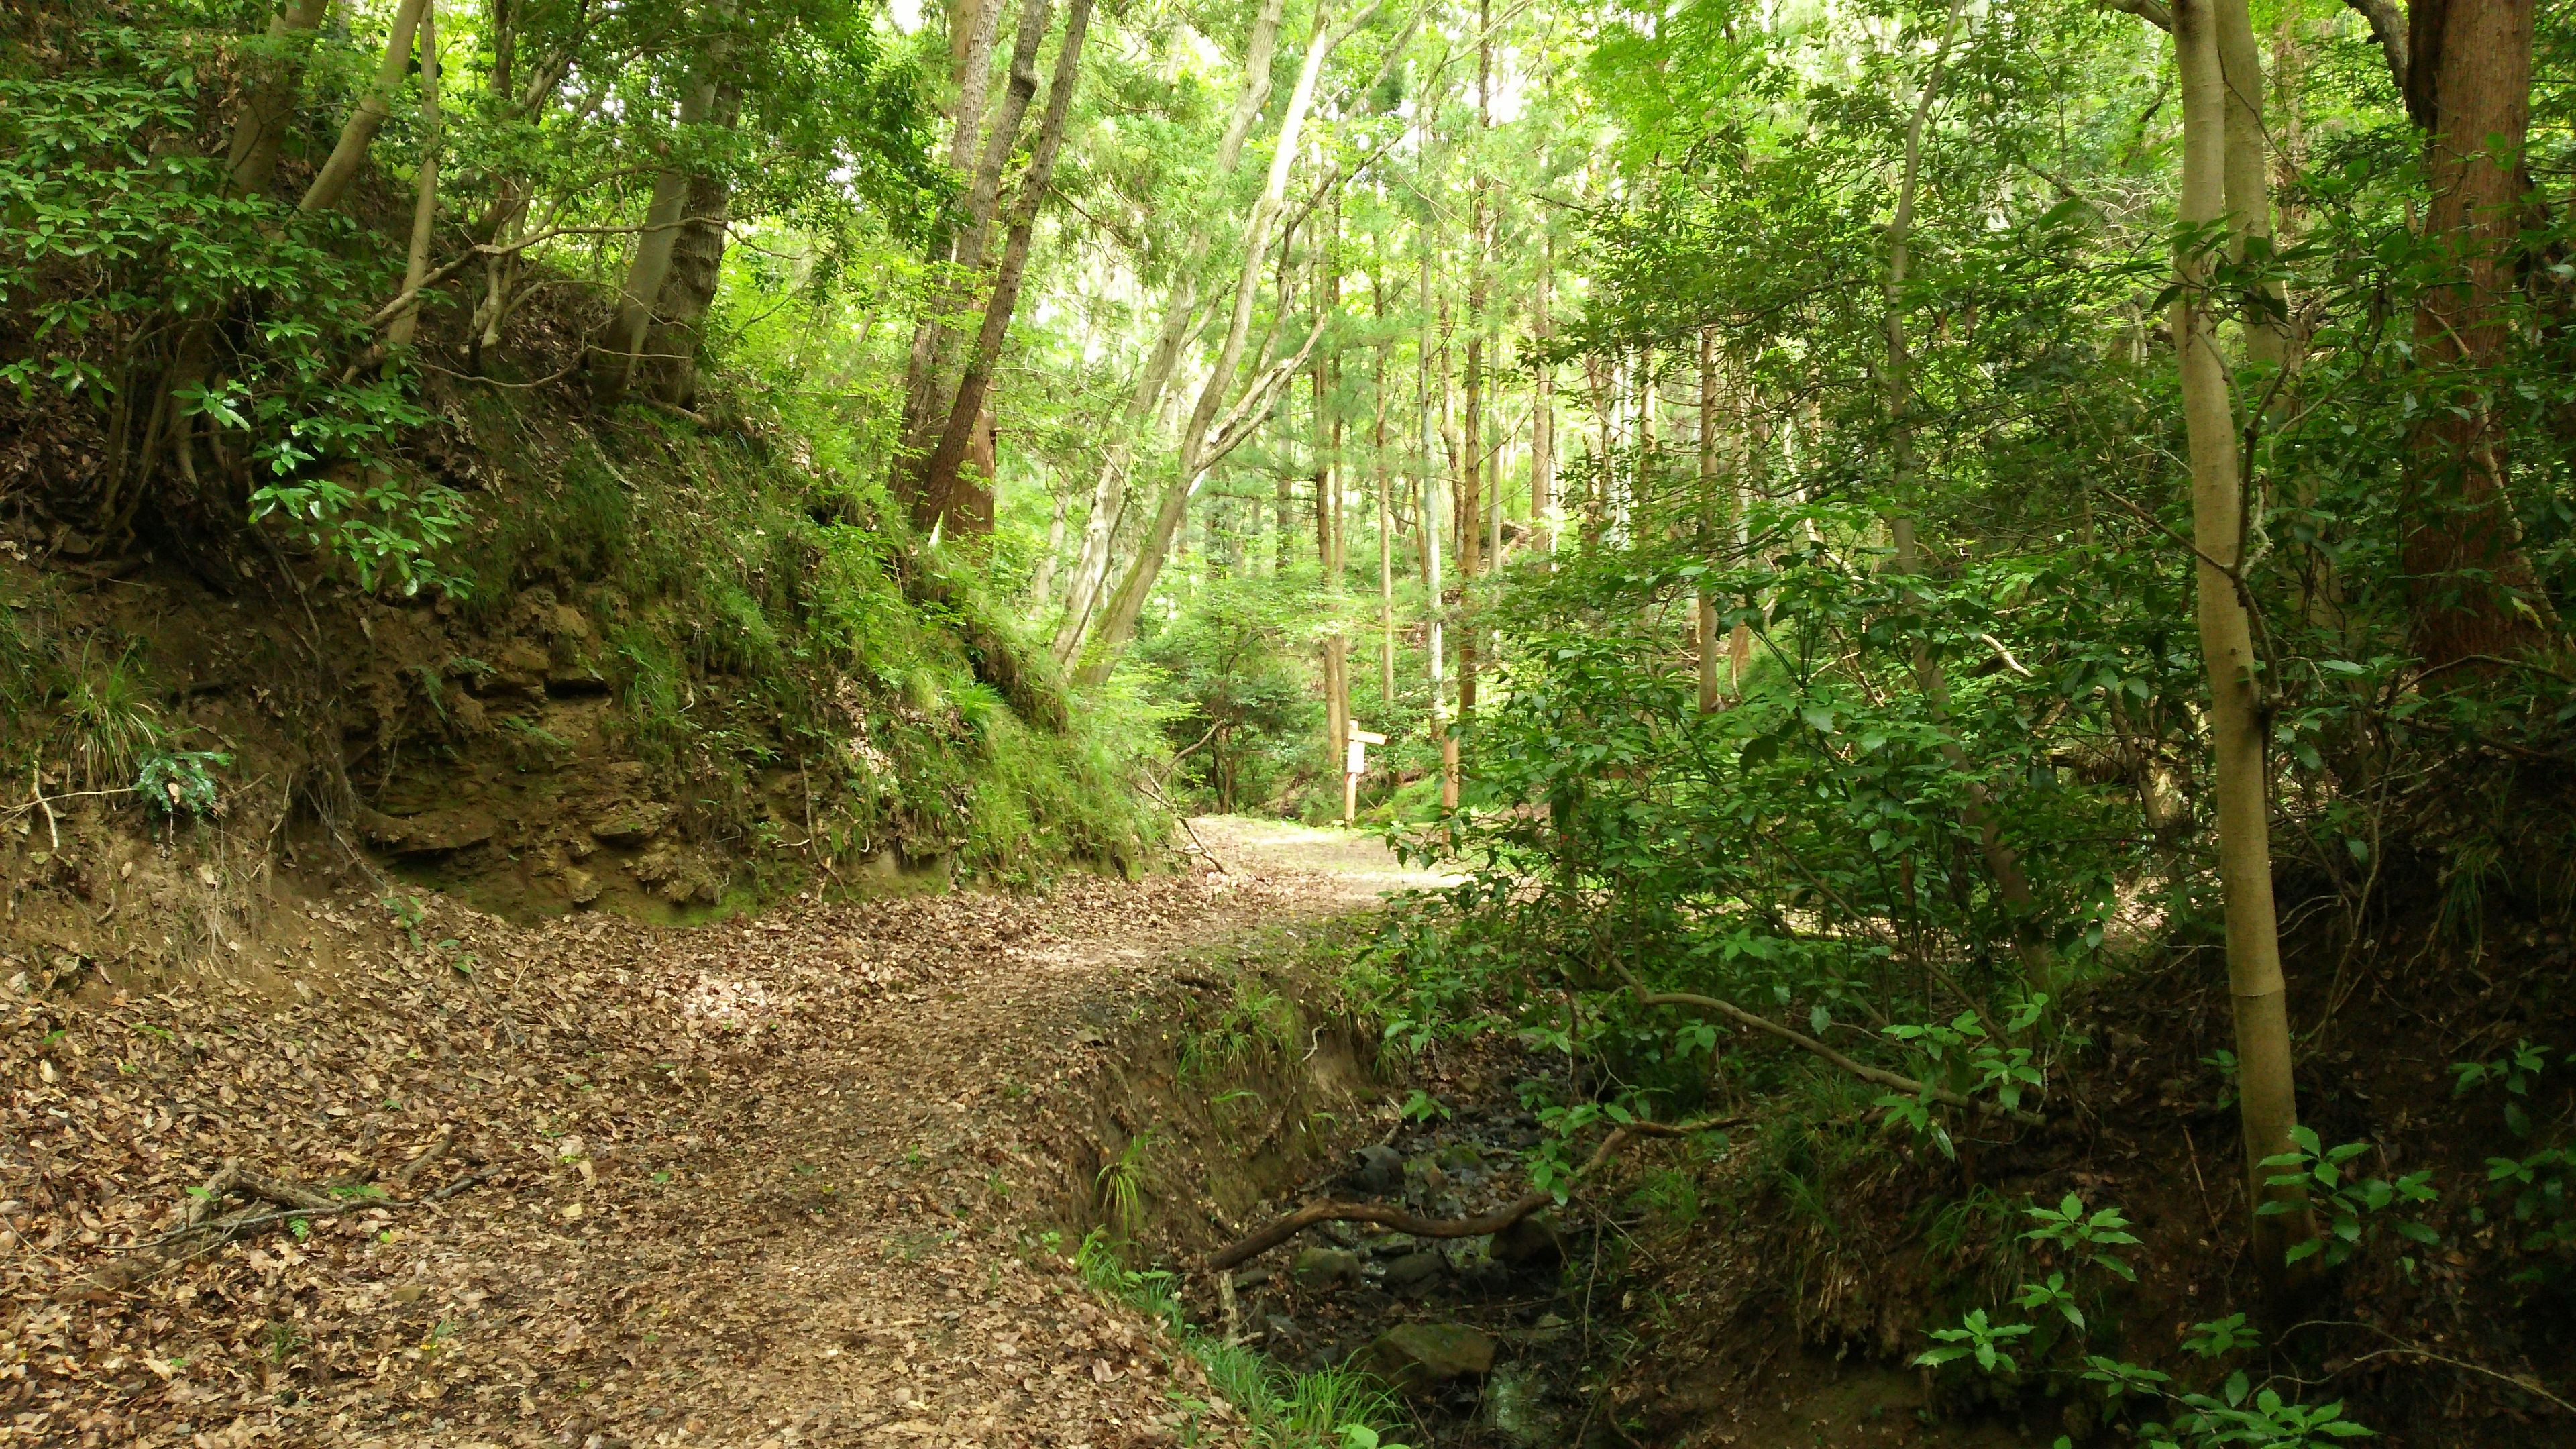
(108, 718)
(2261, 1418)
(1250, 720)
(182, 782)
(1326, 1409)
(2349, 1205)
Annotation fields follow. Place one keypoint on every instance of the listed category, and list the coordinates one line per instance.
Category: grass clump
(1332, 1408)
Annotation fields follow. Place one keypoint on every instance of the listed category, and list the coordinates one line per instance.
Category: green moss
(755, 622)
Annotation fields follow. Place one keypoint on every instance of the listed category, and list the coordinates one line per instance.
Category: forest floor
(780, 1181)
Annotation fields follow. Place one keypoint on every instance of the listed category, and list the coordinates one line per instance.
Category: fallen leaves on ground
(779, 1181)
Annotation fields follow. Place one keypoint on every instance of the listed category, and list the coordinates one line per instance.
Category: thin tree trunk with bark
(1129, 600)
(424, 210)
(650, 267)
(340, 172)
(2267, 1102)
(1385, 512)
(1179, 319)
(930, 394)
(1543, 410)
(2471, 591)
(1109, 491)
(949, 498)
(1710, 692)
(268, 97)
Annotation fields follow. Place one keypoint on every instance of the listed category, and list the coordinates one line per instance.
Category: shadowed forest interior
(1815, 722)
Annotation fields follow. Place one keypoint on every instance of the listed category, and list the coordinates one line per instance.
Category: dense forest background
(1976, 587)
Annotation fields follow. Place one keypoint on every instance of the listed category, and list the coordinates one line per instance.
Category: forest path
(770, 1182)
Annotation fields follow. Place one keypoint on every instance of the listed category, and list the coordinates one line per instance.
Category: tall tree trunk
(672, 345)
(268, 97)
(972, 25)
(1179, 319)
(931, 395)
(614, 364)
(2471, 591)
(340, 172)
(1129, 600)
(1435, 604)
(1328, 506)
(1385, 511)
(1543, 409)
(949, 497)
(1109, 491)
(1705, 616)
(2267, 1103)
(424, 207)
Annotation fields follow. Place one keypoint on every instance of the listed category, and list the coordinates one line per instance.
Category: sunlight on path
(1356, 863)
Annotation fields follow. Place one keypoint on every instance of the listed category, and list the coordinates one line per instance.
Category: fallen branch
(1893, 1081)
(287, 1201)
(1402, 1221)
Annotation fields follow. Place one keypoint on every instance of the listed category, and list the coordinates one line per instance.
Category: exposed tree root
(1397, 1218)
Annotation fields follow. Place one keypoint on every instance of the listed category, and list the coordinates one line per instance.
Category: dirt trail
(769, 1182)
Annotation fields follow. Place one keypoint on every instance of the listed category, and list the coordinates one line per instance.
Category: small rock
(1419, 1357)
(580, 886)
(1316, 1267)
(1460, 1157)
(1534, 1241)
(1424, 1181)
(1509, 1407)
(1376, 1170)
(1413, 1269)
(1548, 1329)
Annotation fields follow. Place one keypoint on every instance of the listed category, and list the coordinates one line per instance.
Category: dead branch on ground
(1402, 1221)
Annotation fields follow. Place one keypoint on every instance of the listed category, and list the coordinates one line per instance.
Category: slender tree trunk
(1179, 319)
(650, 267)
(2471, 591)
(1120, 618)
(1328, 507)
(1385, 512)
(930, 394)
(2267, 1104)
(333, 181)
(268, 97)
(949, 498)
(424, 209)
(1109, 492)
(1435, 605)
(1710, 692)
(1543, 408)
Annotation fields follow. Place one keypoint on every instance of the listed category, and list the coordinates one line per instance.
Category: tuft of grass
(1122, 1184)
(1332, 1408)
(109, 719)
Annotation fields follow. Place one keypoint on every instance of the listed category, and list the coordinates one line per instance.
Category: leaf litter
(781, 1181)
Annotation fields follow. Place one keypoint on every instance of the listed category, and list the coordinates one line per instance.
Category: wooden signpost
(1354, 765)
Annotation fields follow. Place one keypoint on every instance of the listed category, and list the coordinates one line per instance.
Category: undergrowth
(1329, 1408)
